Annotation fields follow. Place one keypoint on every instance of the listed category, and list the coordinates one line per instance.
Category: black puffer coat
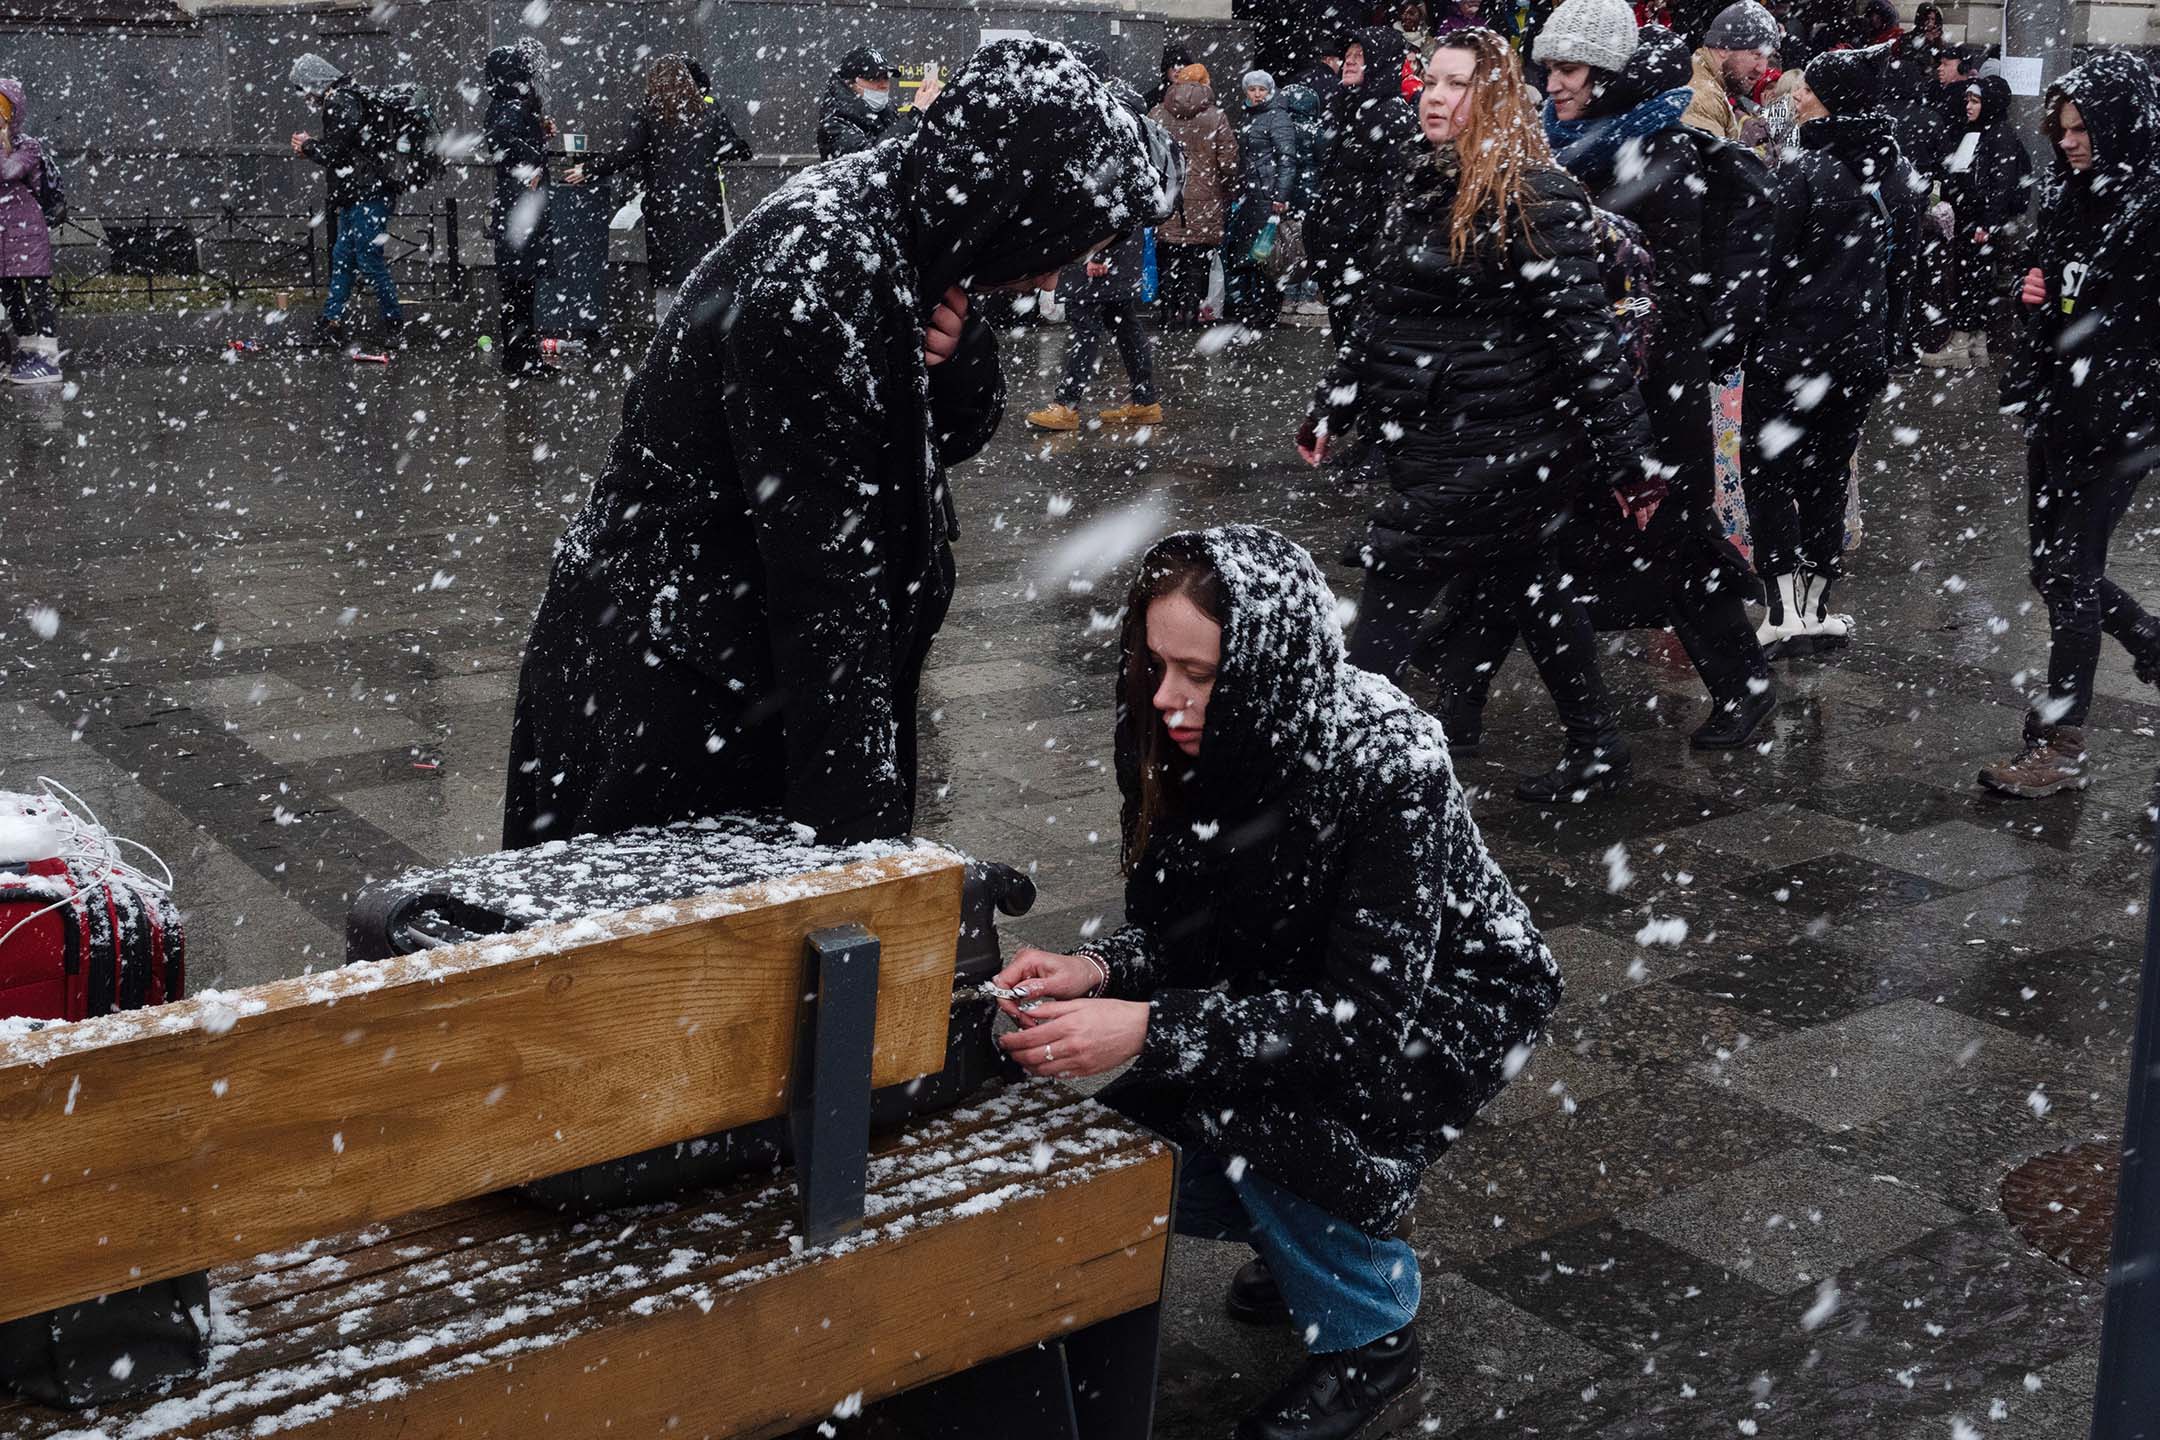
(1337, 970)
(773, 518)
(2088, 363)
(1843, 285)
(1492, 389)
(1367, 127)
(677, 164)
(516, 136)
(348, 150)
(1995, 187)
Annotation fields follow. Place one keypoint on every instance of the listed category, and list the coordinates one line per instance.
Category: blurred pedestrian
(362, 196)
(1189, 242)
(1987, 178)
(677, 141)
(516, 137)
(1269, 158)
(26, 252)
(2086, 382)
(1369, 124)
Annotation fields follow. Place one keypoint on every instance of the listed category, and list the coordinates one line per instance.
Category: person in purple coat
(25, 248)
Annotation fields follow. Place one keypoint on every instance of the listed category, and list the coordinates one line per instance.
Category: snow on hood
(1281, 692)
(1024, 162)
(1188, 98)
(512, 70)
(2119, 98)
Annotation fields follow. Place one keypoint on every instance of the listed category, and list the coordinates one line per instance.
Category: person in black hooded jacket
(860, 107)
(1620, 133)
(738, 618)
(2086, 382)
(516, 136)
(1322, 975)
(1987, 178)
(1484, 367)
(1838, 323)
(1368, 127)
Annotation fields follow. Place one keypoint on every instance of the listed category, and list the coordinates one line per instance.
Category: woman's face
(1972, 107)
(1445, 104)
(1805, 106)
(1568, 83)
(1186, 648)
(1353, 66)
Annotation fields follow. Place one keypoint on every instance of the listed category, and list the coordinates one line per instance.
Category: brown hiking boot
(1133, 414)
(2053, 760)
(1055, 417)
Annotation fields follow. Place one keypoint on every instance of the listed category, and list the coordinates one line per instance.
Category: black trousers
(1974, 294)
(30, 309)
(1250, 297)
(1182, 281)
(517, 280)
(1088, 319)
(1533, 594)
(1798, 464)
(2075, 497)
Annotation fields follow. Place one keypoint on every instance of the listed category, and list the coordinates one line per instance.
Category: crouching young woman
(1322, 975)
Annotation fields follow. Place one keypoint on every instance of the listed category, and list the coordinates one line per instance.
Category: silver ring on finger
(1048, 1054)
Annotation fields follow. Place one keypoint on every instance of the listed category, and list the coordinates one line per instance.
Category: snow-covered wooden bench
(333, 1149)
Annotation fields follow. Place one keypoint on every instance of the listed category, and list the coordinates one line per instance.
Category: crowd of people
(1539, 301)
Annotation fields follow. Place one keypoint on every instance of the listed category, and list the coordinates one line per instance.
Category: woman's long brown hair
(1171, 570)
(671, 91)
(1499, 147)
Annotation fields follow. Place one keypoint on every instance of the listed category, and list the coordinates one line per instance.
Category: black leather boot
(1733, 722)
(1725, 652)
(1587, 768)
(1253, 1298)
(1463, 718)
(1360, 1394)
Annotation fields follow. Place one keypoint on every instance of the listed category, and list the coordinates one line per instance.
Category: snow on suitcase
(562, 880)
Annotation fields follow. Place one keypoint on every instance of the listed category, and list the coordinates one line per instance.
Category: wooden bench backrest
(150, 1144)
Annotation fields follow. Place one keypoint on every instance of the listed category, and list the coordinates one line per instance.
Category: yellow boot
(1134, 414)
(1055, 417)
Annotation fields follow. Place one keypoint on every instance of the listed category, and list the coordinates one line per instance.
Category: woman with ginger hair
(1484, 365)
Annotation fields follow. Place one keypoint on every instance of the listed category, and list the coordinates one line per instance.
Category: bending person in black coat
(1322, 975)
(1484, 366)
(739, 616)
(516, 136)
(676, 142)
(2086, 382)
(1839, 322)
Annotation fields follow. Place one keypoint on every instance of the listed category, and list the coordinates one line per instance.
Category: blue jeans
(359, 250)
(1345, 1288)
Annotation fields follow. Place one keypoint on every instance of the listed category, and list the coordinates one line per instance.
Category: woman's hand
(1312, 441)
(926, 93)
(547, 126)
(2035, 290)
(575, 175)
(941, 341)
(299, 142)
(1048, 976)
(1072, 1039)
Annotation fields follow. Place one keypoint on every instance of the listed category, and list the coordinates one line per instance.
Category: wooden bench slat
(1032, 1141)
(162, 1141)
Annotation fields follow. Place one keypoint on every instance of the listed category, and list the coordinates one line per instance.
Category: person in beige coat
(1736, 49)
(1188, 240)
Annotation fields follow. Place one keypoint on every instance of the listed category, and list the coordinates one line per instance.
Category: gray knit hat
(1598, 33)
(1260, 78)
(312, 75)
(1744, 25)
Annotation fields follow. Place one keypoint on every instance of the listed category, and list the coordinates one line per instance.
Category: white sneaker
(1826, 629)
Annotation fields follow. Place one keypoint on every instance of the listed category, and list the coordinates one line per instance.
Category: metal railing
(230, 252)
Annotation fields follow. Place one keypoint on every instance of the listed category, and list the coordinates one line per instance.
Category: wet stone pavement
(264, 614)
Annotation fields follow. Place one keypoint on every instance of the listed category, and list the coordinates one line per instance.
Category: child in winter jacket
(25, 248)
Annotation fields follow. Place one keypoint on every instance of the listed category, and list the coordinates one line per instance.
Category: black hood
(1025, 161)
(1275, 717)
(1385, 50)
(1661, 62)
(2119, 99)
(1994, 102)
(1866, 143)
(510, 72)
(1848, 82)
(1093, 56)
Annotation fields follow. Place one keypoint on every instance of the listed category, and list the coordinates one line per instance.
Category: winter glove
(1640, 491)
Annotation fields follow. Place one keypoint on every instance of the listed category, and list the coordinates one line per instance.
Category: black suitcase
(568, 879)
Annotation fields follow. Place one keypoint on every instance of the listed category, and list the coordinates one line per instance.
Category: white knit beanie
(1599, 33)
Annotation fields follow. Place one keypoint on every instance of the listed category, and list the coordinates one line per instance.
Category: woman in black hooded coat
(516, 136)
(1322, 975)
(2086, 382)
(739, 616)
(1367, 129)
(1987, 178)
